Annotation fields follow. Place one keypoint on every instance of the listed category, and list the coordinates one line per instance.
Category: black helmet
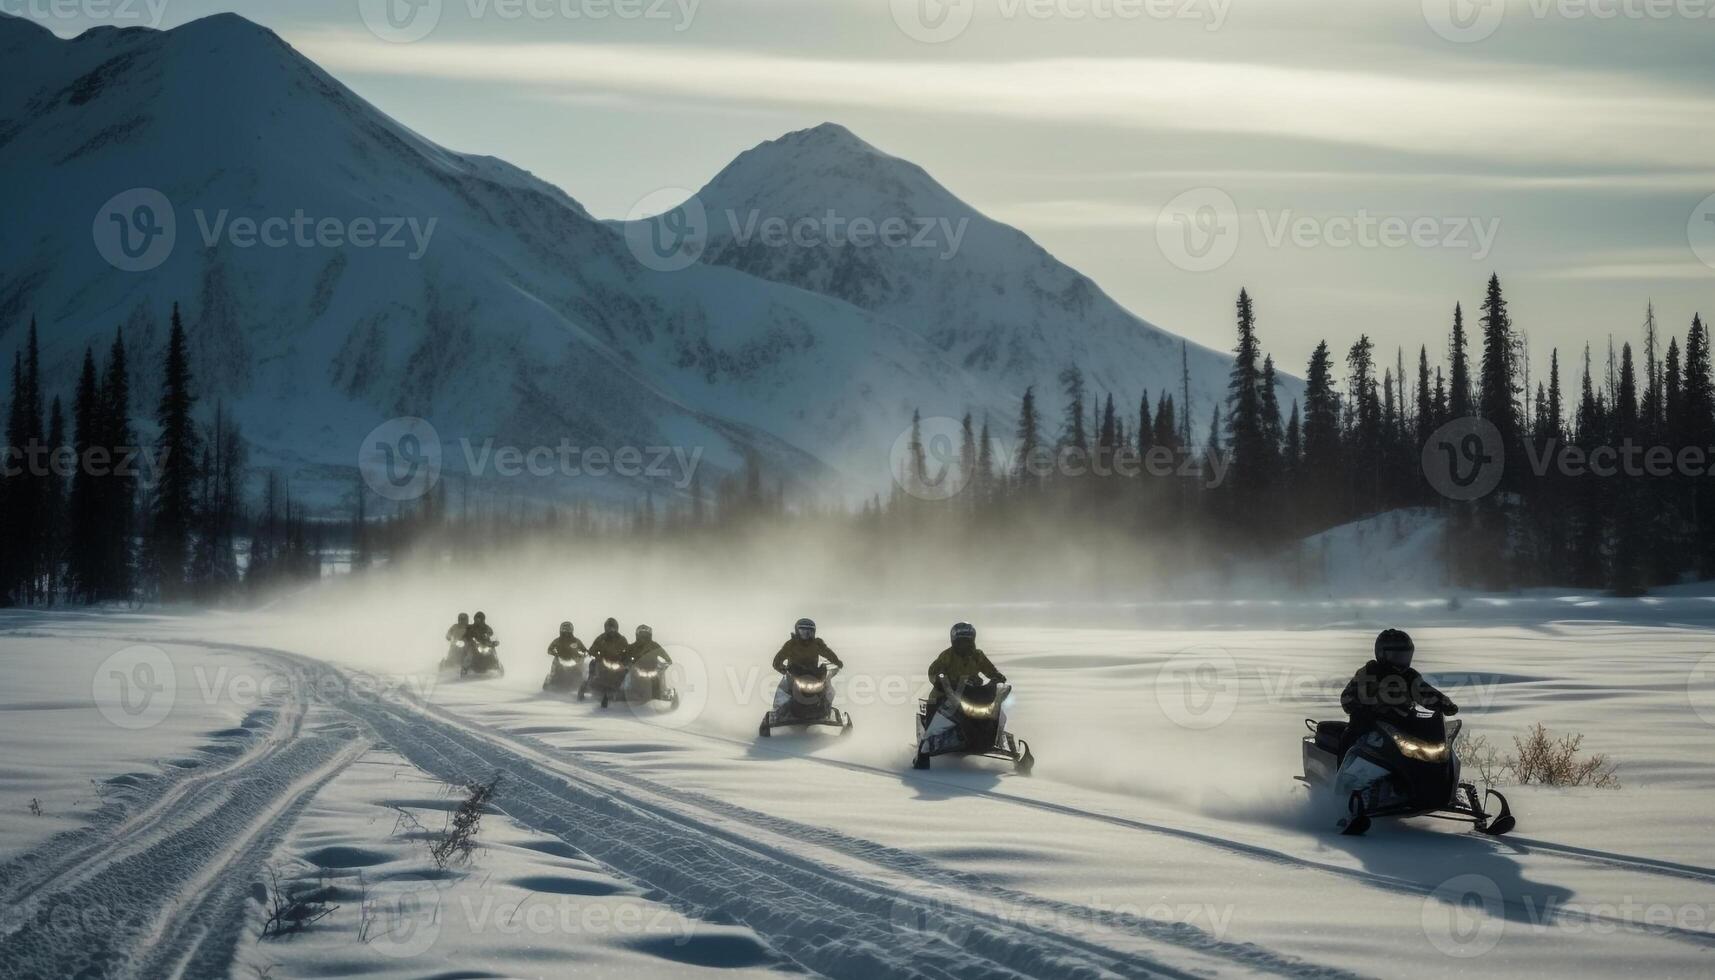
(566, 628)
(804, 629)
(481, 618)
(962, 631)
(644, 633)
(464, 619)
(1394, 648)
(612, 625)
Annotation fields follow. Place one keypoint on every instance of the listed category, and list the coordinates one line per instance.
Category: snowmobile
(566, 676)
(1407, 766)
(450, 664)
(804, 698)
(971, 720)
(604, 676)
(480, 659)
(638, 683)
(647, 681)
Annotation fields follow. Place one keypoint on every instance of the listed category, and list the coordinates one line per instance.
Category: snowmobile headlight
(810, 685)
(646, 674)
(1419, 751)
(977, 710)
(461, 644)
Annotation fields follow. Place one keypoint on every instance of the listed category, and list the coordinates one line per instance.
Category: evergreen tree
(1321, 466)
(173, 513)
(1145, 427)
(967, 456)
(86, 549)
(1073, 435)
(1245, 438)
(120, 487)
(1167, 427)
(1029, 436)
(1498, 394)
(1554, 427)
(1426, 414)
(54, 507)
(1459, 372)
(1273, 428)
(985, 463)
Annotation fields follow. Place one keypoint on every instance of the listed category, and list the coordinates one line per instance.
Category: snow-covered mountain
(983, 293)
(498, 307)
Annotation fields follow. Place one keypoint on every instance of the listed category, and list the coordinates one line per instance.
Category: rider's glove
(1000, 678)
(1449, 709)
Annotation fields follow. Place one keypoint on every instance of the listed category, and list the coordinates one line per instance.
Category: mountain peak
(828, 134)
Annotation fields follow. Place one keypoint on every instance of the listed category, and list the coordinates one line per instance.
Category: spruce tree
(85, 518)
(1244, 412)
(173, 514)
(1498, 394)
(1029, 436)
(1459, 371)
(1426, 421)
(120, 487)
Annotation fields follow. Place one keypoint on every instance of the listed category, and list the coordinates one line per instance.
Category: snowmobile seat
(1329, 735)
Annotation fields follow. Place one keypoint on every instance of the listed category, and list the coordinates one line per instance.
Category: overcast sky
(1359, 165)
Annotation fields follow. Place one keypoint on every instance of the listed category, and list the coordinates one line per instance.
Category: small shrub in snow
(1554, 761)
(295, 906)
(459, 839)
(1543, 758)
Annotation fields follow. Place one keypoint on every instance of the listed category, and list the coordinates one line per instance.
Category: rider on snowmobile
(457, 631)
(611, 642)
(963, 660)
(804, 651)
(1387, 684)
(479, 630)
(646, 647)
(566, 648)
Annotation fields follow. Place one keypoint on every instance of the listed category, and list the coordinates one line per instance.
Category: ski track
(161, 891)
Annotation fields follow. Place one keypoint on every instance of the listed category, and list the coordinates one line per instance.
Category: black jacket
(1378, 687)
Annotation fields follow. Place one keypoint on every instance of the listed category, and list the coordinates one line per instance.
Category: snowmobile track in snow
(762, 872)
(1239, 848)
(161, 891)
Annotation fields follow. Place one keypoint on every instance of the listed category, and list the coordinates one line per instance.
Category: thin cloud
(1599, 120)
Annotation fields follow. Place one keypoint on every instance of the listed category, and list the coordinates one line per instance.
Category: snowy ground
(1161, 834)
